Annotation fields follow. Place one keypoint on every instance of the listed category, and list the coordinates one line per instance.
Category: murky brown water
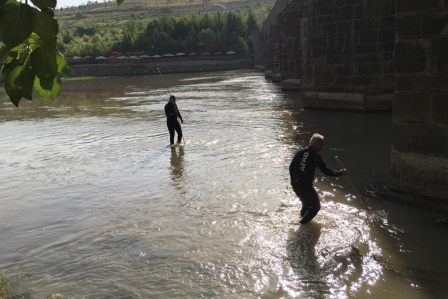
(95, 205)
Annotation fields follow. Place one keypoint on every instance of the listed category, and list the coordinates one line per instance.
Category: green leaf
(15, 91)
(4, 55)
(63, 66)
(16, 23)
(50, 93)
(46, 27)
(42, 4)
(14, 95)
(34, 42)
(26, 81)
(43, 62)
(17, 53)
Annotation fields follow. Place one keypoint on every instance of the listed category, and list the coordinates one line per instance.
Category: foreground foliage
(29, 58)
(9, 289)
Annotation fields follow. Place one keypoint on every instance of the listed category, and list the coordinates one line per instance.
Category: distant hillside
(107, 12)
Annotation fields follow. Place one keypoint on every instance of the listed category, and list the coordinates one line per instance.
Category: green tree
(130, 36)
(207, 40)
(191, 43)
(205, 22)
(219, 22)
(252, 22)
(29, 55)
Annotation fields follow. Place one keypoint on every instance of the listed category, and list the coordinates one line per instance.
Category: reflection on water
(95, 205)
(177, 161)
(301, 249)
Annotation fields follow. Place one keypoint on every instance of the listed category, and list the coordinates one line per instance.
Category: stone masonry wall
(348, 53)
(420, 105)
(289, 52)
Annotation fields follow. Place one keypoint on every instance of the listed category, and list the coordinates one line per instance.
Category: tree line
(230, 31)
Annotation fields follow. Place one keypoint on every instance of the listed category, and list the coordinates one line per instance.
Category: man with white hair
(302, 169)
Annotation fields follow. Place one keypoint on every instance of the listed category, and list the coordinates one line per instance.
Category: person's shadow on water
(301, 251)
(177, 164)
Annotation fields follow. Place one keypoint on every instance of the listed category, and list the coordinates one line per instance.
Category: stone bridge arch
(371, 55)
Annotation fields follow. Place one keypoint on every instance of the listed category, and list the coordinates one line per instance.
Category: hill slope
(108, 12)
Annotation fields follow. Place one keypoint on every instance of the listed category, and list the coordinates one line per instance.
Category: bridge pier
(370, 56)
(419, 155)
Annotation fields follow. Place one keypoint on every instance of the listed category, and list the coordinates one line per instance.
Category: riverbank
(150, 66)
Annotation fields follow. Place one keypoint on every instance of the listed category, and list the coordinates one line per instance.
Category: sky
(65, 3)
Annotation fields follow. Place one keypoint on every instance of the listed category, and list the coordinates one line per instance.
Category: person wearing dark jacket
(172, 113)
(301, 171)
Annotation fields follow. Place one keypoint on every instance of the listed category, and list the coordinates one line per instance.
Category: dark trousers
(310, 203)
(174, 126)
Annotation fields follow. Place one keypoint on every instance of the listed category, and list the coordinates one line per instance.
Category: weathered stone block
(420, 174)
(387, 34)
(335, 59)
(277, 77)
(410, 57)
(343, 70)
(317, 52)
(343, 13)
(404, 6)
(344, 27)
(434, 83)
(366, 48)
(321, 20)
(362, 11)
(368, 36)
(439, 55)
(360, 80)
(326, 10)
(373, 57)
(369, 68)
(268, 73)
(429, 139)
(400, 136)
(405, 83)
(386, 46)
(341, 80)
(330, 99)
(434, 23)
(329, 28)
(440, 109)
(407, 26)
(387, 22)
(411, 106)
(290, 84)
(380, 9)
(368, 23)
(319, 41)
(388, 67)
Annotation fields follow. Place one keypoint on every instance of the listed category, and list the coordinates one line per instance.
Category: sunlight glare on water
(96, 205)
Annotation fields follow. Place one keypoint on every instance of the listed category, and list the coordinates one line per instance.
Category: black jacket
(304, 164)
(172, 112)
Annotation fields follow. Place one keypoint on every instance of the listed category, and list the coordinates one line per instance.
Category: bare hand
(344, 171)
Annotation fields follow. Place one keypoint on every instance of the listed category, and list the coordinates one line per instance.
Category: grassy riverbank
(10, 287)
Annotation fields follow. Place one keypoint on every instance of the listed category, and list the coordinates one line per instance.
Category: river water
(94, 204)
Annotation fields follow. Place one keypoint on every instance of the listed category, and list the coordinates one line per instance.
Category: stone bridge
(370, 55)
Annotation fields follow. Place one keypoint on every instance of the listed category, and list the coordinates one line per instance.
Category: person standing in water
(172, 113)
(301, 171)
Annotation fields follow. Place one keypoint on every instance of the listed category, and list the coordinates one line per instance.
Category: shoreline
(151, 66)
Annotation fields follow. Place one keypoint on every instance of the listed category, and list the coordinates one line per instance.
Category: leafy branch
(29, 57)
